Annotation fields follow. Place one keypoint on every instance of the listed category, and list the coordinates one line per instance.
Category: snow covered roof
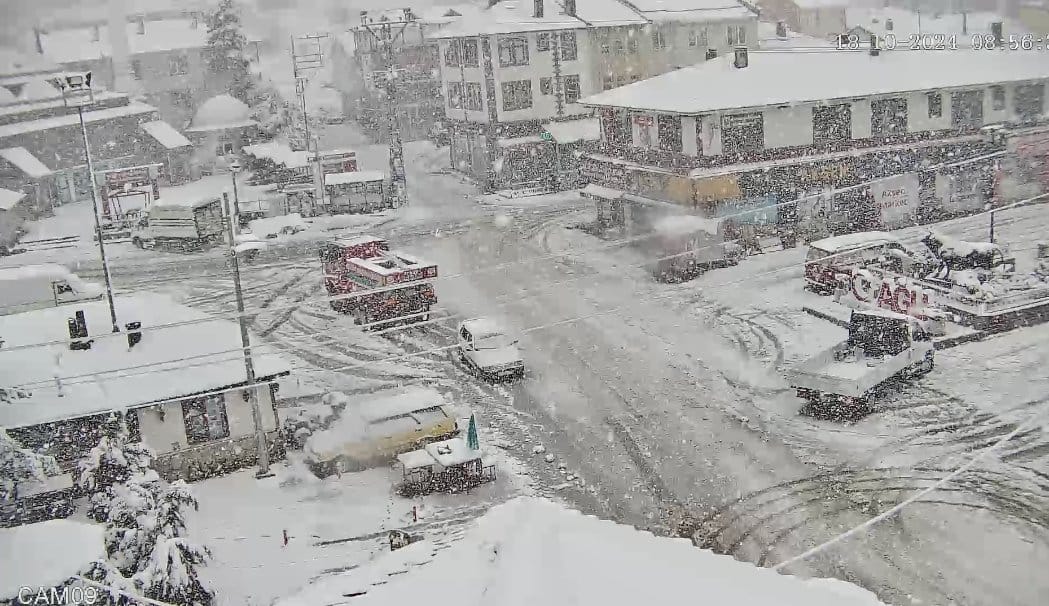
(692, 11)
(592, 190)
(9, 198)
(391, 403)
(15, 63)
(680, 225)
(21, 128)
(219, 113)
(767, 38)
(566, 557)
(78, 44)
(357, 240)
(517, 17)
(440, 14)
(25, 161)
(53, 271)
(905, 22)
(847, 241)
(361, 176)
(104, 377)
(47, 554)
(572, 131)
(191, 202)
(18, 107)
(775, 78)
(38, 90)
(810, 4)
(279, 153)
(452, 452)
(483, 327)
(416, 459)
(165, 134)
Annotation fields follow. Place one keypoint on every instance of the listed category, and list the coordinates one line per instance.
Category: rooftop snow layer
(847, 241)
(221, 112)
(47, 554)
(197, 355)
(166, 135)
(565, 557)
(78, 44)
(53, 271)
(21, 128)
(572, 131)
(452, 452)
(810, 4)
(362, 176)
(512, 17)
(767, 38)
(693, 10)
(392, 403)
(483, 327)
(905, 23)
(9, 198)
(14, 63)
(776, 78)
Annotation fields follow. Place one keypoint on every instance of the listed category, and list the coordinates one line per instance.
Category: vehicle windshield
(599, 270)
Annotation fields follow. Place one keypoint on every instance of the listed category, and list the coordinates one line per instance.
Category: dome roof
(221, 112)
(35, 90)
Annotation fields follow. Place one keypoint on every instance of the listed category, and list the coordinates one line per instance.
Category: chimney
(96, 33)
(742, 59)
(712, 53)
(888, 25)
(134, 335)
(39, 44)
(996, 31)
(875, 51)
(781, 29)
(140, 25)
(570, 8)
(965, 24)
(537, 9)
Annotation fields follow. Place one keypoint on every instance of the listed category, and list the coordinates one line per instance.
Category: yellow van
(374, 429)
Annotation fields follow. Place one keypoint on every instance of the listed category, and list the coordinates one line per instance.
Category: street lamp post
(82, 83)
(234, 168)
(261, 444)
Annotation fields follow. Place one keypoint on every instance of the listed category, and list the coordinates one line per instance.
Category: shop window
(1029, 101)
(604, 43)
(697, 37)
(831, 123)
(205, 419)
(618, 46)
(669, 133)
(608, 83)
(659, 38)
(542, 42)
(178, 64)
(136, 69)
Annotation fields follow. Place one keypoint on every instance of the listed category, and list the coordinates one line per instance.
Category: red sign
(335, 163)
(908, 299)
(643, 120)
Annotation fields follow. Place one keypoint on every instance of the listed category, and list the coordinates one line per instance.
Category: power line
(918, 495)
(618, 243)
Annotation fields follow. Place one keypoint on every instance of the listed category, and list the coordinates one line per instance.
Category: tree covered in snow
(103, 572)
(226, 44)
(170, 572)
(113, 461)
(20, 466)
(131, 522)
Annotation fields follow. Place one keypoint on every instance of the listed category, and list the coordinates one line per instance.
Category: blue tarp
(758, 210)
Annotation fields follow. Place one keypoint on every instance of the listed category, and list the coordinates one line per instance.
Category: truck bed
(850, 377)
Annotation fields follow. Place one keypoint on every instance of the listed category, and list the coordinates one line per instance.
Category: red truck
(379, 287)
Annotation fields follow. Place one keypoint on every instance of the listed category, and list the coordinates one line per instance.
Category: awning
(9, 198)
(25, 161)
(514, 142)
(599, 192)
(362, 176)
(573, 131)
(166, 135)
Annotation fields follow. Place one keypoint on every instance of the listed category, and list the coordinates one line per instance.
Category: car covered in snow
(485, 347)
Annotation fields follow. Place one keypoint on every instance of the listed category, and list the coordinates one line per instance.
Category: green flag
(471, 434)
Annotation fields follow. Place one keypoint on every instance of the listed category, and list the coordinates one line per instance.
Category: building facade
(774, 127)
(822, 19)
(512, 69)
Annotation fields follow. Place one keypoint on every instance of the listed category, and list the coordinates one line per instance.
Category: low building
(182, 389)
(219, 130)
(46, 555)
(516, 66)
(822, 19)
(755, 129)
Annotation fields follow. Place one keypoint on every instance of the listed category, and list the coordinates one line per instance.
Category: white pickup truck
(487, 350)
(882, 346)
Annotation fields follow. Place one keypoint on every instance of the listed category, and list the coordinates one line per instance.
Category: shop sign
(900, 296)
(896, 199)
(821, 174)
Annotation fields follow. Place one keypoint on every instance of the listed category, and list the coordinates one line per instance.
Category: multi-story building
(818, 18)
(512, 70)
(734, 131)
(166, 60)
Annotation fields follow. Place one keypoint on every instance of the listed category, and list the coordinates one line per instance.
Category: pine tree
(170, 572)
(226, 44)
(105, 573)
(114, 460)
(20, 466)
(131, 524)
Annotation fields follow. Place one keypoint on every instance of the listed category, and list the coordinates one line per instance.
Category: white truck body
(32, 287)
(853, 370)
(189, 223)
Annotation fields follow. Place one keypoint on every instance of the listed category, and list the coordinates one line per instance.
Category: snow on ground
(533, 551)
(46, 554)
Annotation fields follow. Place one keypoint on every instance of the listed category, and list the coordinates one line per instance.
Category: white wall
(788, 126)
(822, 22)
(163, 434)
(679, 54)
(688, 135)
(541, 65)
(451, 74)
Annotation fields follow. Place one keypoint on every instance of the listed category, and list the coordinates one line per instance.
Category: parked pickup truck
(488, 351)
(882, 346)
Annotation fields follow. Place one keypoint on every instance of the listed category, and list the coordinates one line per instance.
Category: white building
(905, 25)
(818, 18)
(512, 69)
(180, 389)
(786, 124)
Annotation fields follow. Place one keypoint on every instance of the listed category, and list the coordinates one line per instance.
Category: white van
(38, 286)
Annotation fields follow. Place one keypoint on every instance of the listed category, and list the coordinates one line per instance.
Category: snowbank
(46, 554)
(568, 558)
(271, 227)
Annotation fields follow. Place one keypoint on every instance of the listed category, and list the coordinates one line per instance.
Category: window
(517, 95)
(743, 133)
(620, 80)
(568, 46)
(631, 44)
(178, 65)
(935, 104)
(182, 99)
(468, 50)
(659, 38)
(473, 96)
(451, 54)
(1028, 101)
(205, 419)
(604, 42)
(616, 126)
(136, 69)
(455, 95)
(572, 90)
(832, 123)
(888, 117)
(542, 42)
(669, 133)
(546, 86)
(513, 51)
(697, 37)
(967, 109)
(998, 98)
(737, 35)
(608, 83)
(635, 77)
(618, 47)
(470, 56)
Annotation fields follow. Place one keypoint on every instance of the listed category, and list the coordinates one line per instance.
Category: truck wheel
(926, 365)
(137, 242)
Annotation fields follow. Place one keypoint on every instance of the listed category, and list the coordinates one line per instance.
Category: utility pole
(385, 32)
(306, 56)
(78, 86)
(261, 444)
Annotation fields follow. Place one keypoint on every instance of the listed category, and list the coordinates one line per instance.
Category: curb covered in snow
(942, 343)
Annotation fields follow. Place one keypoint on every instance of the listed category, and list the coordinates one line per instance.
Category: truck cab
(485, 347)
(30, 287)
